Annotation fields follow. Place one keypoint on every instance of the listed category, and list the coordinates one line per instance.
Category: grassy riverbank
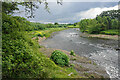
(111, 32)
(72, 26)
(45, 33)
(105, 25)
(81, 67)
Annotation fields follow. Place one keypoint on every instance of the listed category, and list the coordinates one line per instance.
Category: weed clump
(72, 53)
(60, 58)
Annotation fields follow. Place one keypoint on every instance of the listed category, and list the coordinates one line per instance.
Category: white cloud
(93, 12)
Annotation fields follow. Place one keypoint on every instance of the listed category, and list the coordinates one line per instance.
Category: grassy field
(110, 32)
(45, 33)
(72, 26)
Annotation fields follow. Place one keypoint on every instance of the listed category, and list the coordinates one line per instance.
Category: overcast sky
(70, 12)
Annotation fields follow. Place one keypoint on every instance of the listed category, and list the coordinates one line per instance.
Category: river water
(102, 51)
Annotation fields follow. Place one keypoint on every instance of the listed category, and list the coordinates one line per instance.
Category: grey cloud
(66, 13)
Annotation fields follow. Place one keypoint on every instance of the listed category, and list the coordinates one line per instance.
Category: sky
(69, 12)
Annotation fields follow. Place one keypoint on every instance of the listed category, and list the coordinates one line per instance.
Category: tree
(99, 19)
(49, 25)
(9, 7)
(103, 22)
(30, 7)
(113, 14)
(55, 23)
(114, 24)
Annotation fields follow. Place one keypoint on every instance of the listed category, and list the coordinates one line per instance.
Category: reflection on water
(100, 50)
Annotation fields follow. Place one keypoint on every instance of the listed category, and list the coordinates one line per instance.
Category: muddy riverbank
(84, 66)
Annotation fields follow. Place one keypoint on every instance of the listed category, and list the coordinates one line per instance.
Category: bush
(72, 53)
(94, 29)
(72, 65)
(40, 34)
(21, 57)
(60, 58)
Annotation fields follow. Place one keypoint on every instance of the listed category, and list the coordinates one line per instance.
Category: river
(102, 51)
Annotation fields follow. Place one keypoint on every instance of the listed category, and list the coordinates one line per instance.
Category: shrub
(72, 65)
(41, 27)
(94, 29)
(60, 58)
(21, 57)
(72, 53)
(40, 34)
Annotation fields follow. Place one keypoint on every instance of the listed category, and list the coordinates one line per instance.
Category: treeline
(113, 14)
(31, 26)
(105, 23)
(40, 26)
(21, 57)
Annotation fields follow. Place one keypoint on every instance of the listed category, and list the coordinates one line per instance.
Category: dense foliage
(21, 57)
(60, 58)
(39, 26)
(20, 54)
(103, 22)
(113, 14)
(9, 7)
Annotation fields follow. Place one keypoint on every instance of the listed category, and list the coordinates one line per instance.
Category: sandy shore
(103, 36)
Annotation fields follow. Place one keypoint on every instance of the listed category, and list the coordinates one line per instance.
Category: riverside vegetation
(106, 23)
(22, 56)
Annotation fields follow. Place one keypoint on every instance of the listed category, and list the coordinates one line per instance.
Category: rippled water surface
(102, 51)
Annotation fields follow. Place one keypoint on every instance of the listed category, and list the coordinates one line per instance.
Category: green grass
(72, 26)
(110, 32)
(45, 33)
